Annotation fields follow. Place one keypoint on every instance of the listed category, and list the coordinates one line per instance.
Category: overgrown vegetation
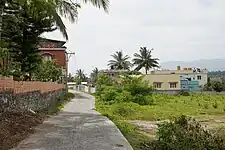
(47, 71)
(125, 98)
(123, 89)
(167, 107)
(215, 85)
(184, 134)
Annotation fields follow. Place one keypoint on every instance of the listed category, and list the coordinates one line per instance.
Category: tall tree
(27, 15)
(119, 61)
(55, 8)
(22, 28)
(80, 76)
(144, 60)
(94, 75)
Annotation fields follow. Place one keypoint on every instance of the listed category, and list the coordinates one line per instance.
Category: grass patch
(132, 134)
(62, 100)
(164, 107)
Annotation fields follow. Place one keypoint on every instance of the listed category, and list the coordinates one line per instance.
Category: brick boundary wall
(21, 96)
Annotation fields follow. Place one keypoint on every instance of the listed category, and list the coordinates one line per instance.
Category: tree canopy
(144, 59)
(48, 71)
(119, 61)
(23, 21)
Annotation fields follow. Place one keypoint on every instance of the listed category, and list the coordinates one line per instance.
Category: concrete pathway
(77, 127)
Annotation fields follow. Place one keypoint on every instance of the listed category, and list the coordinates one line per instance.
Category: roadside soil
(149, 128)
(14, 127)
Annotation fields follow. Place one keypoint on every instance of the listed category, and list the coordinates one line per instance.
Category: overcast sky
(176, 29)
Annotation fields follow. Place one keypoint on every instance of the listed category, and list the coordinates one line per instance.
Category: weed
(206, 106)
(215, 104)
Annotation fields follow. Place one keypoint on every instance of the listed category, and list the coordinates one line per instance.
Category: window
(199, 77)
(157, 85)
(47, 57)
(173, 85)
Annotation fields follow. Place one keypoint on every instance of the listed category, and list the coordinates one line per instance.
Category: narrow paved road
(77, 127)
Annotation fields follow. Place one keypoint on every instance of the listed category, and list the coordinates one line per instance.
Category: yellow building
(188, 78)
(164, 81)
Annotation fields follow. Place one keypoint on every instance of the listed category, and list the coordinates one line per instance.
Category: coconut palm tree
(81, 77)
(119, 61)
(144, 60)
(94, 75)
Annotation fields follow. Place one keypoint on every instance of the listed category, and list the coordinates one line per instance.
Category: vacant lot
(209, 109)
(167, 107)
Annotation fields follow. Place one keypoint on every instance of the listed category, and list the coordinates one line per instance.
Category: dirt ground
(149, 128)
(14, 127)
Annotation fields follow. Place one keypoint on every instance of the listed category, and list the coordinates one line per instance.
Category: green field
(200, 106)
(167, 107)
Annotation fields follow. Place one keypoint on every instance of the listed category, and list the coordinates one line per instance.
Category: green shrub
(124, 89)
(125, 109)
(124, 96)
(109, 93)
(185, 134)
(217, 86)
(143, 99)
(102, 81)
(136, 86)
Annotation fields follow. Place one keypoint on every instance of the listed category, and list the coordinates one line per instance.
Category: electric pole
(68, 55)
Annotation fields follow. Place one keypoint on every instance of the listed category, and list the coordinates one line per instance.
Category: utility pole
(68, 55)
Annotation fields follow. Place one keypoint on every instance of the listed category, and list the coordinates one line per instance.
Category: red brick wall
(58, 56)
(28, 86)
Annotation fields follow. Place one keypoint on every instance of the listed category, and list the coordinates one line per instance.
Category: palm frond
(119, 61)
(61, 26)
(68, 9)
(138, 56)
(99, 3)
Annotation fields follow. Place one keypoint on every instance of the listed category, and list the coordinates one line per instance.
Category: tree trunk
(146, 71)
(2, 4)
(1, 16)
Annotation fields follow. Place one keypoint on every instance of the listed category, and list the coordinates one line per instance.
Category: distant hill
(210, 64)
